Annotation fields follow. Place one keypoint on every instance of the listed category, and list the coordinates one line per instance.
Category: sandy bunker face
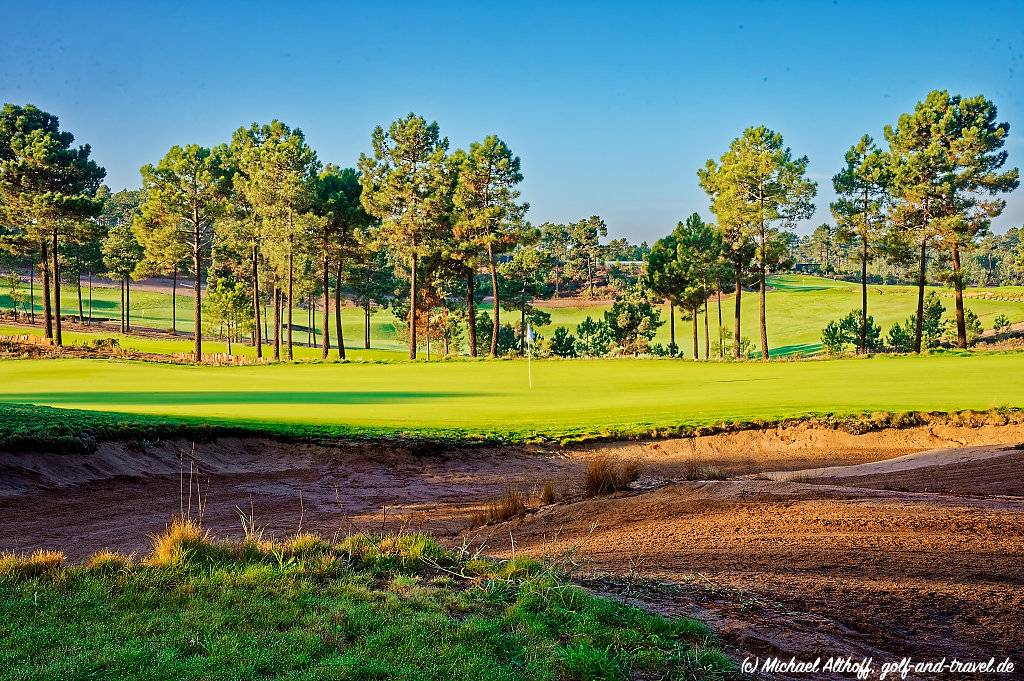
(819, 542)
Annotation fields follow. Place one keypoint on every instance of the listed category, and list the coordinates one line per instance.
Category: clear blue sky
(612, 106)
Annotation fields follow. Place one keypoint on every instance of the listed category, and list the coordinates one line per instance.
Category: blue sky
(612, 106)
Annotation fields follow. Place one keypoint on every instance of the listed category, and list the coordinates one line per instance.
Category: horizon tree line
(415, 225)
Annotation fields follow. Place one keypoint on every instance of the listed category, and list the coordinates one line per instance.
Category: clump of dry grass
(547, 493)
(36, 563)
(181, 540)
(511, 504)
(700, 471)
(605, 475)
(108, 561)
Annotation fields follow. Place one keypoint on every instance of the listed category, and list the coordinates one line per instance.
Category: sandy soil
(821, 542)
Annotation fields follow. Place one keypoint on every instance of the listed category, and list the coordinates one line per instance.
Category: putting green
(611, 396)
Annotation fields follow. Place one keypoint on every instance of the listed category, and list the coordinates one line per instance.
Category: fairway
(492, 399)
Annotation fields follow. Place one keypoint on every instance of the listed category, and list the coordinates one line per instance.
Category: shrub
(593, 338)
(563, 343)
(901, 336)
(633, 321)
(605, 476)
(833, 338)
(1001, 323)
(846, 331)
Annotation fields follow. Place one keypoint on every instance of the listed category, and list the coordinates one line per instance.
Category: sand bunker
(891, 543)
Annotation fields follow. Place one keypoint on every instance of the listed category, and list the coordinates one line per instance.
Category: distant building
(807, 267)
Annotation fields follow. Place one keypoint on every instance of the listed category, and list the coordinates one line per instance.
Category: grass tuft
(37, 563)
(108, 561)
(511, 504)
(701, 471)
(183, 542)
(605, 475)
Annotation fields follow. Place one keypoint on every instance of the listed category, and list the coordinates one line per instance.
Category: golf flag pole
(529, 355)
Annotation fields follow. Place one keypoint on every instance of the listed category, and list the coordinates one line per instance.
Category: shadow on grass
(225, 397)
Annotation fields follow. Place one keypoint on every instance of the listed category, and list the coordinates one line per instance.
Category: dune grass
(491, 400)
(397, 607)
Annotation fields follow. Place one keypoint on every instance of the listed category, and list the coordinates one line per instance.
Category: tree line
(266, 224)
(429, 230)
(934, 187)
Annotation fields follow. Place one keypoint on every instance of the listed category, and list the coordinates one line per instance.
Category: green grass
(491, 400)
(799, 306)
(365, 608)
(152, 310)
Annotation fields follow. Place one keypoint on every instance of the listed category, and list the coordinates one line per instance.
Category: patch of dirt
(822, 542)
(790, 568)
(797, 447)
(117, 496)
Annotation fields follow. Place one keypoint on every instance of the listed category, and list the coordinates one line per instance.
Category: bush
(563, 343)
(633, 321)
(901, 336)
(746, 345)
(508, 338)
(1001, 323)
(605, 476)
(846, 331)
(593, 338)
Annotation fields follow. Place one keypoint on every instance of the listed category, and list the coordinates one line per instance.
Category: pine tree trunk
(90, 299)
(122, 307)
(339, 331)
(672, 329)
(736, 326)
(920, 294)
(32, 293)
(47, 310)
(291, 288)
(721, 341)
(197, 291)
(522, 327)
(58, 336)
(81, 309)
(696, 342)
(325, 336)
(257, 329)
(707, 338)
(497, 304)
(277, 321)
(958, 293)
(471, 311)
(127, 305)
(174, 301)
(412, 310)
(763, 315)
(366, 324)
(864, 293)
